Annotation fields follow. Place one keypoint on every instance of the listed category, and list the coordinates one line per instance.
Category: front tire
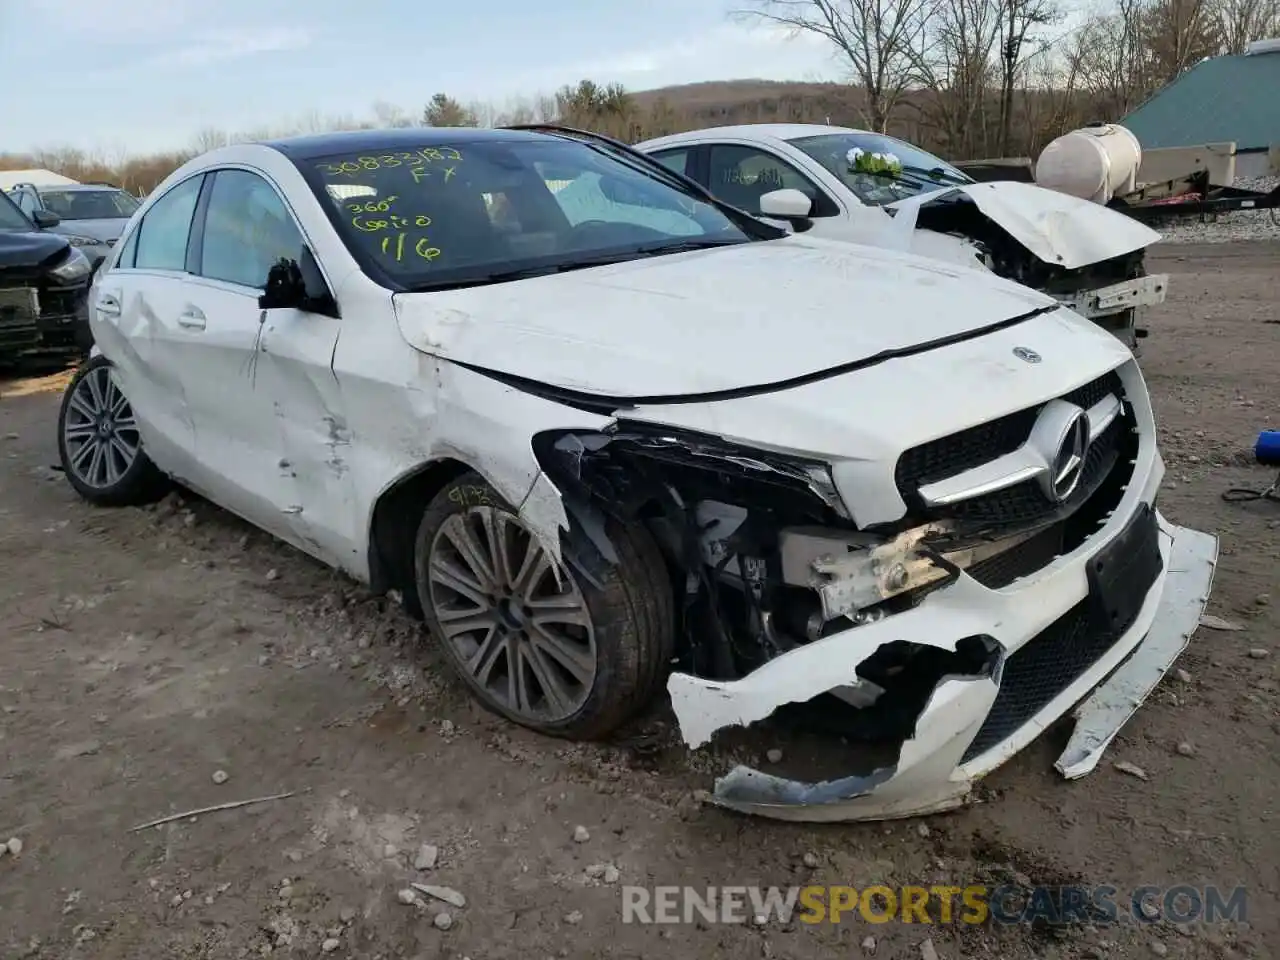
(99, 443)
(532, 638)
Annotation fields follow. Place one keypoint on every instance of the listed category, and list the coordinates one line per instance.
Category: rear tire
(99, 443)
(564, 657)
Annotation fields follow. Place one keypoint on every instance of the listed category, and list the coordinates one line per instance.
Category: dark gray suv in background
(90, 215)
(44, 290)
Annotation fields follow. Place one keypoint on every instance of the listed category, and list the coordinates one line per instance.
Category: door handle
(108, 305)
(191, 318)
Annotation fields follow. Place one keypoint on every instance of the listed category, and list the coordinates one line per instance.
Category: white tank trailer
(1093, 163)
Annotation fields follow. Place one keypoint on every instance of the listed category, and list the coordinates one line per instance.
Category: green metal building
(1229, 98)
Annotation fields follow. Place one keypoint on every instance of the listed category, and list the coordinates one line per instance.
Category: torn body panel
(934, 770)
(1056, 228)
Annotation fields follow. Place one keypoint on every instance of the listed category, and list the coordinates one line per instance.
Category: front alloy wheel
(531, 637)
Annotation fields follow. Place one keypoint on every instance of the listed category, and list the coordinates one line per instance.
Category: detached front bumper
(939, 764)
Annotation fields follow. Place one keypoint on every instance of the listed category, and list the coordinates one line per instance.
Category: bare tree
(390, 115)
(883, 41)
(964, 37)
(1109, 56)
(1240, 22)
(1178, 34)
(1018, 20)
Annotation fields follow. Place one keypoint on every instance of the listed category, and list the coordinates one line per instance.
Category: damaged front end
(900, 663)
(1094, 265)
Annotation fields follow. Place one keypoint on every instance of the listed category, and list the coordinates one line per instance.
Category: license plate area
(1121, 573)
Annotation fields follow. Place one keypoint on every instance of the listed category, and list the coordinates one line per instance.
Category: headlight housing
(75, 267)
(626, 461)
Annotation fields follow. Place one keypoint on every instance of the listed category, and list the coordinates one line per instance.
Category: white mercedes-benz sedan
(637, 439)
(866, 187)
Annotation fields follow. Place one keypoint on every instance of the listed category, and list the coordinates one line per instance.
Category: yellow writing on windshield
(396, 246)
(414, 160)
(374, 216)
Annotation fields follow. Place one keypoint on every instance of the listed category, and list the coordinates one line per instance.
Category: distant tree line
(964, 78)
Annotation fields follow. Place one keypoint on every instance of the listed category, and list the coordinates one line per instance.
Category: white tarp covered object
(42, 178)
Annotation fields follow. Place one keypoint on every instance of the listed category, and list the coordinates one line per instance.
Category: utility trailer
(1192, 196)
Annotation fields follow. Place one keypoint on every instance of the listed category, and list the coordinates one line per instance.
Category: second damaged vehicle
(866, 187)
(848, 491)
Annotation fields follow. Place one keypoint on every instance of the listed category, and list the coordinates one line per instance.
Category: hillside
(754, 101)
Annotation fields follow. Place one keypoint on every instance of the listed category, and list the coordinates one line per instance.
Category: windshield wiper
(526, 273)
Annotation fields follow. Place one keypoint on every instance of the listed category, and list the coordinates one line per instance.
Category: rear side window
(677, 160)
(166, 228)
(128, 252)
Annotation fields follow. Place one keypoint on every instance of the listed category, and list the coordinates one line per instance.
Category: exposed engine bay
(765, 559)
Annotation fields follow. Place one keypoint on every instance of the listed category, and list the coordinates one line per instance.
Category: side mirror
(45, 219)
(284, 288)
(786, 204)
(298, 285)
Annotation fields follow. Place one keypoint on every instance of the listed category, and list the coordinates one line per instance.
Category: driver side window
(741, 175)
(247, 229)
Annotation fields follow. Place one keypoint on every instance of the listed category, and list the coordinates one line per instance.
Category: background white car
(821, 179)
(591, 422)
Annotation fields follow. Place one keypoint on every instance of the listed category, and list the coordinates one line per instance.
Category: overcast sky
(142, 75)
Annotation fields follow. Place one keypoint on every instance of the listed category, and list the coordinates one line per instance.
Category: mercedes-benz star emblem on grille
(1027, 354)
(1060, 440)
(1068, 465)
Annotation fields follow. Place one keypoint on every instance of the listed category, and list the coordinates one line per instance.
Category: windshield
(11, 218)
(491, 210)
(866, 164)
(89, 204)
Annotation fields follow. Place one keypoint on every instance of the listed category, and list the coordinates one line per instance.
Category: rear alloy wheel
(99, 442)
(531, 638)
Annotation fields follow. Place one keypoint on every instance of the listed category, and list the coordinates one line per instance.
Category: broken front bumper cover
(933, 771)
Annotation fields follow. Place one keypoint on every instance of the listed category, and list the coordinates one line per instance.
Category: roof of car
(358, 141)
(73, 187)
(761, 131)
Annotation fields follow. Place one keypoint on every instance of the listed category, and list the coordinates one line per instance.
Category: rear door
(137, 309)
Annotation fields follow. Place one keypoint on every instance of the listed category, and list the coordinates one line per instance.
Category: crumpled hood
(30, 249)
(710, 320)
(103, 230)
(1057, 228)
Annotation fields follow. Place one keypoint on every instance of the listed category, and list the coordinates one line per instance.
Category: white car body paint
(620, 343)
(300, 422)
(1056, 228)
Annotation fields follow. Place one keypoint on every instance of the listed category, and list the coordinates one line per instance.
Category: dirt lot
(143, 650)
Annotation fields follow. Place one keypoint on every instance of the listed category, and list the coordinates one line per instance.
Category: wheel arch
(393, 525)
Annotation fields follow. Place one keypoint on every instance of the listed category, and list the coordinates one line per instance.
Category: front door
(274, 419)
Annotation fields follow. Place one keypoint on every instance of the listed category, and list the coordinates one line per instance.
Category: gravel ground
(1242, 225)
(157, 661)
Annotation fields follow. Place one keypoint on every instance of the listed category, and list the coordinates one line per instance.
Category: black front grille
(1023, 560)
(1023, 503)
(18, 330)
(61, 301)
(1049, 663)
